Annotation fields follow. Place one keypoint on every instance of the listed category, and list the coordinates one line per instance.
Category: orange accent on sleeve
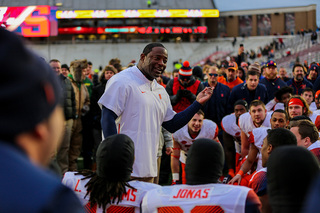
(160, 96)
(240, 173)
(251, 138)
(216, 133)
(222, 126)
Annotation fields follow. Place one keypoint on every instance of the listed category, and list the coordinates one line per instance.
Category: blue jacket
(216, 107)
(241, 92)
(297, 88)
(272, 86)
(316, 85)
(28, 188)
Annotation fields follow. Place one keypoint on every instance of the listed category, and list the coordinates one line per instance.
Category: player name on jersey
(190, 193)
(131, 195)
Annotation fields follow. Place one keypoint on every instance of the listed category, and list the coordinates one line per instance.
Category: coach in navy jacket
(299, 86)
(249, 91)
(271, 81)
(299, 82)
(216, 108)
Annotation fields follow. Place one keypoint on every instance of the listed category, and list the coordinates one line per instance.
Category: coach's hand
(205, 95)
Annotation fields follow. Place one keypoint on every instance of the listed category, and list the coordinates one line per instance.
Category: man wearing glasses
(232, 79)
(216, 107)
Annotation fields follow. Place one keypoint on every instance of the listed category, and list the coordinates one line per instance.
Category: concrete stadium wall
(279, 27)
(305, 18)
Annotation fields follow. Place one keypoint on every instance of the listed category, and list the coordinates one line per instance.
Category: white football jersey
(313, 106)
(316, 112)
(196, 198)
(130, 202)
(273, 105)
(257, 136)
(315, 145)
(246, 124)
(209, 130)
(315, 118)
(230, 126)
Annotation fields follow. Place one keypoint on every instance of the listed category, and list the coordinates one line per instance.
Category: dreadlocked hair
(86, 173)
(103, 192)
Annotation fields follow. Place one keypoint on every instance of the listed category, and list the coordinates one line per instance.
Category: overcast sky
(229, 5)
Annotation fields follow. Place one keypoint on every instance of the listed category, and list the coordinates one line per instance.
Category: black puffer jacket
(97, 92)
(69, 103)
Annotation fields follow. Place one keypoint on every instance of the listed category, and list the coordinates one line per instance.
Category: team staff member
(198, 127)
(272, 82)
(202, 193)
(316, 85)
(313, 73)
(298, 82)
(283, 74)
(31, 129)
(232, 79)
(249, 91)
(216, 108)
(183, 90)
(140, 105)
